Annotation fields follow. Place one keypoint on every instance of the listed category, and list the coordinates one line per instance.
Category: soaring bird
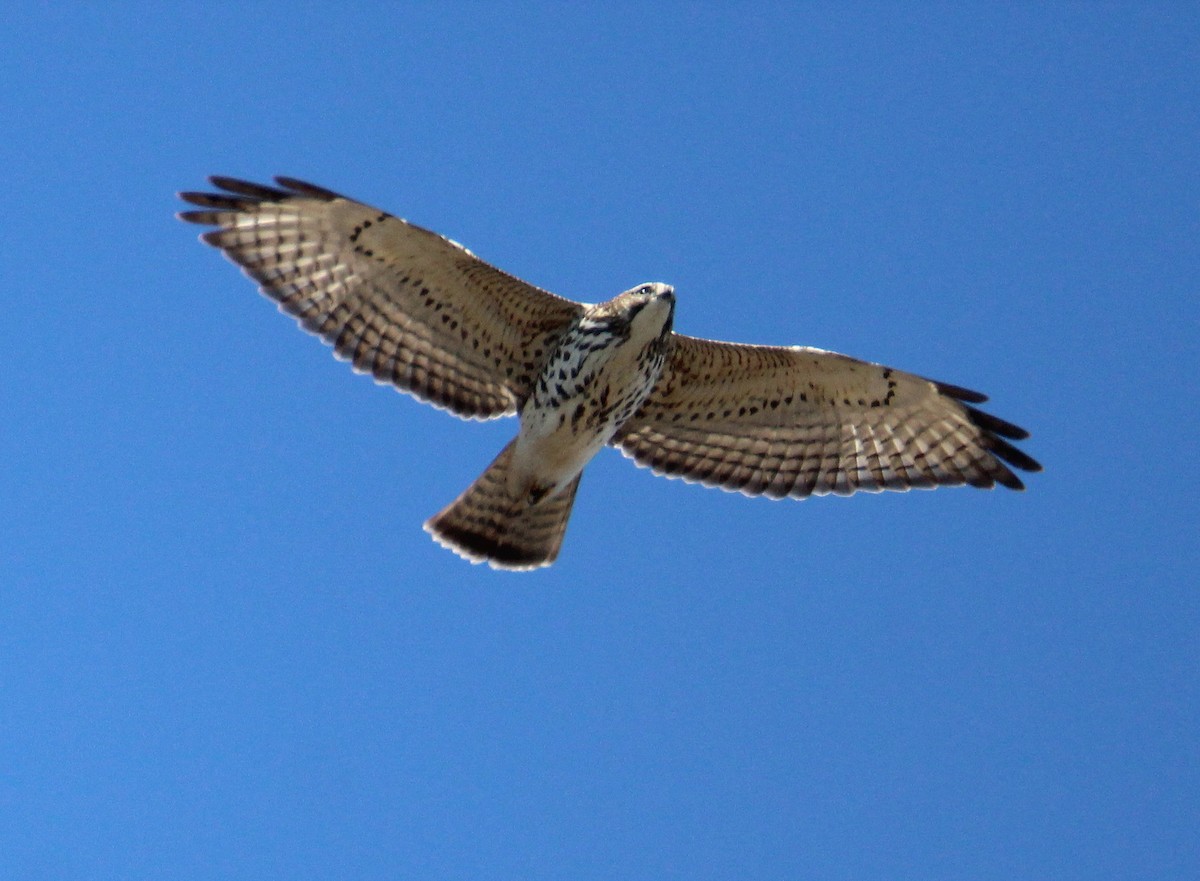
(422, 313)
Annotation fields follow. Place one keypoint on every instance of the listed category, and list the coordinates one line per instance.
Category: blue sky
(227, 649)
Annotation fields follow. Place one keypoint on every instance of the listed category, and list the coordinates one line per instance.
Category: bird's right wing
(406, 305)
(799, 421)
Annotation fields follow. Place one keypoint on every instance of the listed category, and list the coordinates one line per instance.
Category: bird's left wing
(797, 421)
(406, 305)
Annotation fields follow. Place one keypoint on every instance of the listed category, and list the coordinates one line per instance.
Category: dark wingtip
(959, 393)
(247, 188)
(994, 430)
(237, 194)
(217, 200)
(1004, 450)
(206, 218)
(996, 425)
(304, 188)
(1010, 480)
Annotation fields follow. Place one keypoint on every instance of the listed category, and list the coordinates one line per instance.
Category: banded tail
(487, 523)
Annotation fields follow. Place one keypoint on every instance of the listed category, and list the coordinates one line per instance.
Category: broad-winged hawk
(422, 313)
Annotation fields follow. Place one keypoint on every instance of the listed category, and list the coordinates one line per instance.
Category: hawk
(422, 313)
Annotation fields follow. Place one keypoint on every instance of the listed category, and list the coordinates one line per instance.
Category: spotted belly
(590, 386)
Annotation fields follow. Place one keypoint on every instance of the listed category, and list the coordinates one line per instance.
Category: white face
(653, 309)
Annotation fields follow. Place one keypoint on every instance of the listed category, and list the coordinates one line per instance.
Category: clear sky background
(227, 649)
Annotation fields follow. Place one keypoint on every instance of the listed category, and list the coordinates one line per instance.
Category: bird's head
(649, 308)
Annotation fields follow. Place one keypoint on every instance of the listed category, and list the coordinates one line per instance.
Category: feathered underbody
(604, 366)
(421, 313)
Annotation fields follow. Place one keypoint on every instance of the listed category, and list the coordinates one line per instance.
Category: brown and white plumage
(777, 421)
(424, 314)
(406, 305)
